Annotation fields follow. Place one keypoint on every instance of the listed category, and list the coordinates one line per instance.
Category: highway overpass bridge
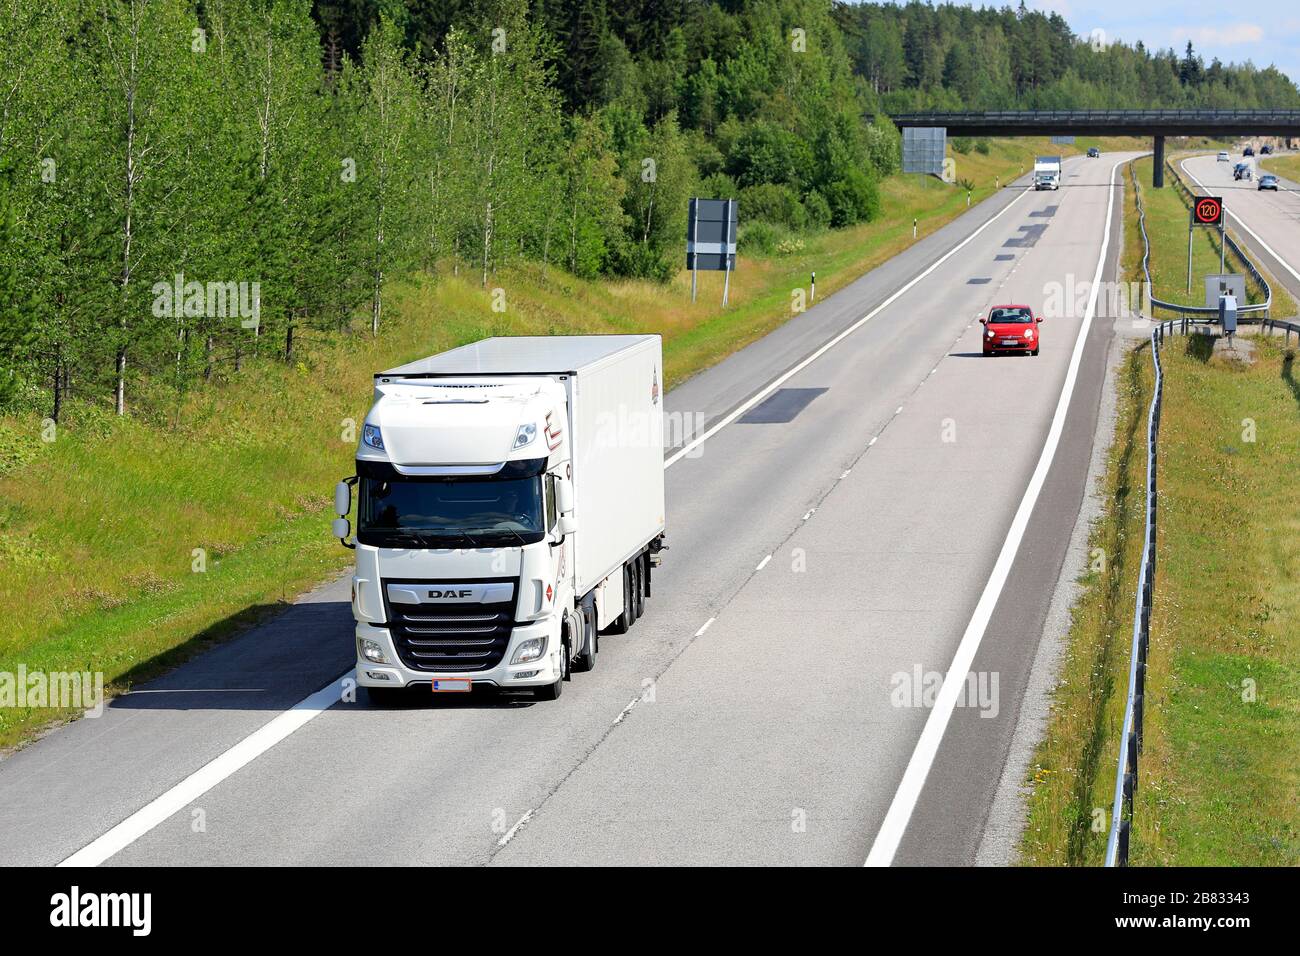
(1154, 123)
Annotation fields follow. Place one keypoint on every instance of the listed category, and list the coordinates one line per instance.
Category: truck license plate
(455, 685)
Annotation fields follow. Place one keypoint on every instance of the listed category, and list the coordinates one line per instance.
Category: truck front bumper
(392, 672)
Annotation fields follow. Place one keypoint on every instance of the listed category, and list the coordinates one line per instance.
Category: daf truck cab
(510, 508)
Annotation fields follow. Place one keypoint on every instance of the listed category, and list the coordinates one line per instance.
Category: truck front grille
(450, 637)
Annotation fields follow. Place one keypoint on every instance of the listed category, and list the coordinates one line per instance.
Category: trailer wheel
(624, 620)
(635, 589)
(640, 586)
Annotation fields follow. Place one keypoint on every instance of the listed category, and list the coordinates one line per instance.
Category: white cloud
(1231, 34)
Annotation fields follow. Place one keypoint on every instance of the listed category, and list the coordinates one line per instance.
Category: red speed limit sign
(1207, 211)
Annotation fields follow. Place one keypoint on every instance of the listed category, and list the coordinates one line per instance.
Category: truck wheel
(634, 590)
(553, 691)
(624, 620)
(640, 586)
(586, 658)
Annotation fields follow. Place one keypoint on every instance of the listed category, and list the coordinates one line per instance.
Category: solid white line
(781, 379)
(208, 776)
(762, 564)
(1263, 245)
(705, 626)
(918, 767)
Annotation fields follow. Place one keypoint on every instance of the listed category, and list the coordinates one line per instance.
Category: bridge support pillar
(1158, 164)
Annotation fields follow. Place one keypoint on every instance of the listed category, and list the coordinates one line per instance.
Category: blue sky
(1265, 33)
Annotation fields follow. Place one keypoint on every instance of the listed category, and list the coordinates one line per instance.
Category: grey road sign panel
(1233, 284)
(711, 234)
(923, 149)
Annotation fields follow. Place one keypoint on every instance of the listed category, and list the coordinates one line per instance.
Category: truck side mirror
(341, 528)
(563, 495)
(342, 501)
(566, 524)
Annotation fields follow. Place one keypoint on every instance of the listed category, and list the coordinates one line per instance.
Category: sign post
(1206, 211)
(726, 258)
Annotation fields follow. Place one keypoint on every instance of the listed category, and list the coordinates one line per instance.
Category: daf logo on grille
(452, 595)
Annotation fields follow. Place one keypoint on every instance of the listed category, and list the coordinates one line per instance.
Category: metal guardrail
(1190, 196)
(1244, 312)
(1126, 773)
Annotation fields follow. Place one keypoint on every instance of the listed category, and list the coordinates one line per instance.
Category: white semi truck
(1047, 172)
(510, 506)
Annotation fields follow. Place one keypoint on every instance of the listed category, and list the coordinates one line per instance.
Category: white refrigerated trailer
(510, 506)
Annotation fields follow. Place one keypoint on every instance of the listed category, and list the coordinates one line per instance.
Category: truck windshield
(397, 511)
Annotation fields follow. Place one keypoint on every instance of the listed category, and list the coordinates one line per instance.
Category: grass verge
(1218, 774)
(1288, 166)
(126, 544)
(1166, 220)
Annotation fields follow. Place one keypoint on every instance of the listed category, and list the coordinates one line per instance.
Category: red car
(1010, 328)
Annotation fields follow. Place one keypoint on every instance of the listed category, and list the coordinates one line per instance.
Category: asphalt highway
(1267, 222)
(870, 500)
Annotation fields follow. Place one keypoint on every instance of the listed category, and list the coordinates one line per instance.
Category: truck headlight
(530, 650)
(370, 435)
(525, 434)
(371, 651)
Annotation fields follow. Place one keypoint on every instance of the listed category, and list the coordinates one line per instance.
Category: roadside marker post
(812, 288)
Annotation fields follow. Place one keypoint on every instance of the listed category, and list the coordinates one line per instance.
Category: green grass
(1288, 166)
(98, 529)
(1167, 217)
(1218, 776)
(1073, 772)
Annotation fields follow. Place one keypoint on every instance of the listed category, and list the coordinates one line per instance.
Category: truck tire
(635, 589)
(585, 660)
(640, 586)
(624, 620)
(553, 691)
